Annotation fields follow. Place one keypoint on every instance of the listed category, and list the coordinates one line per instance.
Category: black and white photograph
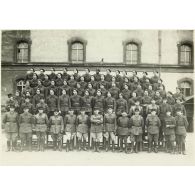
(97, 97)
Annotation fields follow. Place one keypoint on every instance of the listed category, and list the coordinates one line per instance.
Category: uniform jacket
(126, 94)
(114, 92)
(29, 105)
(139, 92)
(10, 122)
(52, 102)
(65, 76)
(44, 105)
(97, 77)
(110, 122)
(87, 77)
(83, 84)
(99, 103)
(150, 107)
(36, 99)
(33, 83)
(108, 77)
(26, 123)
(123, 124)
(163, 109)
(153, 124)
(70, 123)
(132, 110)
(66, 87)
(146, 100)
(181, 125)
(110, 102)
(96, 123)
(64, 103)
(56, 124)
(170, 100)
(75, 101)
(179, 106)
(41, 122)
(52, 76)
(158, 99)
(168, 125)
(136, 124)
(59, 82)
(121, 105)
(92, 91)
(83, 123)
(87, 102)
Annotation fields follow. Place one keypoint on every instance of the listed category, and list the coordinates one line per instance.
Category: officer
(103, 82)
(168, 126)
(80, 90)
(70, 129)
(26, 123)
(36, 98)
(96, 129)
(132, 100)
(56, 126)
(123, 130)
(42, 104)
(139, 91)
(136, 106)
(137, 125)
(151, 92)
(103, 90)
(82, 126)
(52, 103)
(99, 102)
(114, 91)
(64, 103)
(87, 103)
(76, 102)
(151, 107)
(76, 75)
(41, 126)
(110, 128)
(181, 128)
(152, 125)
(10, 124)
(110, 102)
(121, 105)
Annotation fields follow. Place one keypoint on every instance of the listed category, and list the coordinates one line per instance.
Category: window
(22, 52)
(20, 85)
(186, 86)
(132, 51)
(185, 53)
(77, 50)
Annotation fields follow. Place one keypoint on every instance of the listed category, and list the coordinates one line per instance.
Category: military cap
(170, 92)
(56, 110)
(136, 110)
(82, 110)
(40, 108)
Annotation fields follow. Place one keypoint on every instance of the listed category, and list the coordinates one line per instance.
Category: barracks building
(170, 52)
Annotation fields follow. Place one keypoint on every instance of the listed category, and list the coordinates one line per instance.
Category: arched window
(20, 85)
(77, 50)
(22, 52)
(185, 53)
(132, 52)
(186, 86)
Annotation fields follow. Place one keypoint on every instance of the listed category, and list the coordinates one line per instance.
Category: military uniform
(87, 77)
(179, 96)
(99, 103)
(92, 91)
(52, 103)
(56, 125)
(168, 126)
(126, 94)
(181, 128)
(137, 125)
(59, 82)
(121, 105)
(36, 100)
(82, 129)
(72, 83)
(110, 129)
(52, 76)
(76, 103)
(41, 125)
(66, 87)
(33, 83)
(44, 106)
(133, 108)
(26, 125)
(52, 87)
(29, 105)
(18, 100)
(41, 88)
(151, 107)
(110, 102)
(10, 124)
(46, 84)
(153, 124)
(65, 76)
(179, 106)
(87, 103)
(64, 104)
(114, 92)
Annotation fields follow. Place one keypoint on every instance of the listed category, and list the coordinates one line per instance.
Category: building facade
(168, 51)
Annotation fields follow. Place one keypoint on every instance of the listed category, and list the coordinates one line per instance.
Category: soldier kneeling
(110, 128)
(137, 125)
(56, 125)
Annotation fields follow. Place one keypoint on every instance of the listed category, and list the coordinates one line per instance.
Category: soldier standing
(10, 124)
(153, 124)
(96, 129)
(82, 129)
(123, 130)
(41, 125)
(168, 125)
(64, 103)
(56, 126)
(52, 103)
(121, 105)
(110, 128)
(70, 129)
(75, 102)
(110, 102)
(181, 127)
(42, 104)
(137, 125)
(99, 102)
(26, 123)
(87, 102)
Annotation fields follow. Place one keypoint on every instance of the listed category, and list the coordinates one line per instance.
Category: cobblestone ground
(50, 157)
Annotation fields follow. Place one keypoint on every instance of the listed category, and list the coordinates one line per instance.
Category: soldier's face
(64, 92)
(51, 92)
(27, 100)
(168, 113)
(153, 113)
(26, 110)
(53, 83)
(42, 100)
(40, 111)
(17, 94)
(65, 83)
(124, 114)
(59, 76)
(109, 111)
(92, 78)
(98, 93)
(11, 98)
(96, 112)
(179, 113)
(38, 92)
(108, 94)
(82, 78)
(75, 92)
(82, 112)
(86, 93)
(12, 109)
(120, 96)
(46, 77)
(72, 77)
(56, 113)
(71, 112)
(90, 86)
(153, 102)
(137, 113)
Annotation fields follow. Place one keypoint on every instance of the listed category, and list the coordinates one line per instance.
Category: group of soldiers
(98, 107)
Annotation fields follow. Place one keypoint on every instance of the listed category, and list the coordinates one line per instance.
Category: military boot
(97, 146)
(156, 148)
(30, 145)
(126, 148)
(67, 146)
(94, 146)
(54, 144)
(183, 149)
(149, 147)
(107, 145)
(22, 146)
(8, 146)
(136, 147)
(121, 145)
(79, 145)
(113, 146)
(132, 146)
(84, 145)
(60, 145)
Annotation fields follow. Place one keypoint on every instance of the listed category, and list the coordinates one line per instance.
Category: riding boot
(94, 146)
(54, 144)
(42, 145)
(106, 143)
(79, 145)
(126, 148)
(140, 146)
(67, 146)
(132, 146)
(30, 145)
(38, 145)
(183, 149)
(8, 146)
(60, 145)
(113, 146)
(22, 146)
(136, 146)
(121, 144)
(84, 145)
(156, 147)
(71, 145)
(149, 147)
(97, 146)
(180, 148)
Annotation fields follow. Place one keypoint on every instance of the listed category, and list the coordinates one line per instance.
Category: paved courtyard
(50, 157)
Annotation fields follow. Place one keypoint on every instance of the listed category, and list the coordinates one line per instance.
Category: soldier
(10, 102)
(83, 125)
(87, 103)
(118, 78)
(181, 128)
(10, 126)
(80, 90)
(59, 80)
(152, 106)
(144, 78)
(46, 84)
(139, 91)
(121, 105)
(65, 75)
(82, 83)
(41, 126)
(34, 81)
(64, 87)
(70, 129)
(162, 91)
(18, 98)
(146, 84)
(87, 76)
(158, 98)
(99, 102)
(155, 77)
(134, 107)
(179, 95)
(52, 75)
(42, 104)
(76, 75)
(72, 83)
(179, 105)
(75, 102)
(103, 90)
(123, 125)
(103, 82)
(152, 125)
(151, 92)
(110, 102)
(29, 96)
(56, 126)
(126, 92)
(94, 83)
(27, 104)
(91, 90)
(40, 87)
(170, 99)
(114, 91)
(110, 128)
(135, 83)
(52, 87)
(26, 123)
(64, 103)
(132, 100)
(27, 88)
(96, 129)
(36, 99)
(137, 125)
(52, 103)
(97, 75)
(168, 125)
(41, 76)
(108, 76)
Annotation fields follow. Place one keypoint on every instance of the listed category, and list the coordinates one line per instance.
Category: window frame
(70, 42)
(191, 83)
